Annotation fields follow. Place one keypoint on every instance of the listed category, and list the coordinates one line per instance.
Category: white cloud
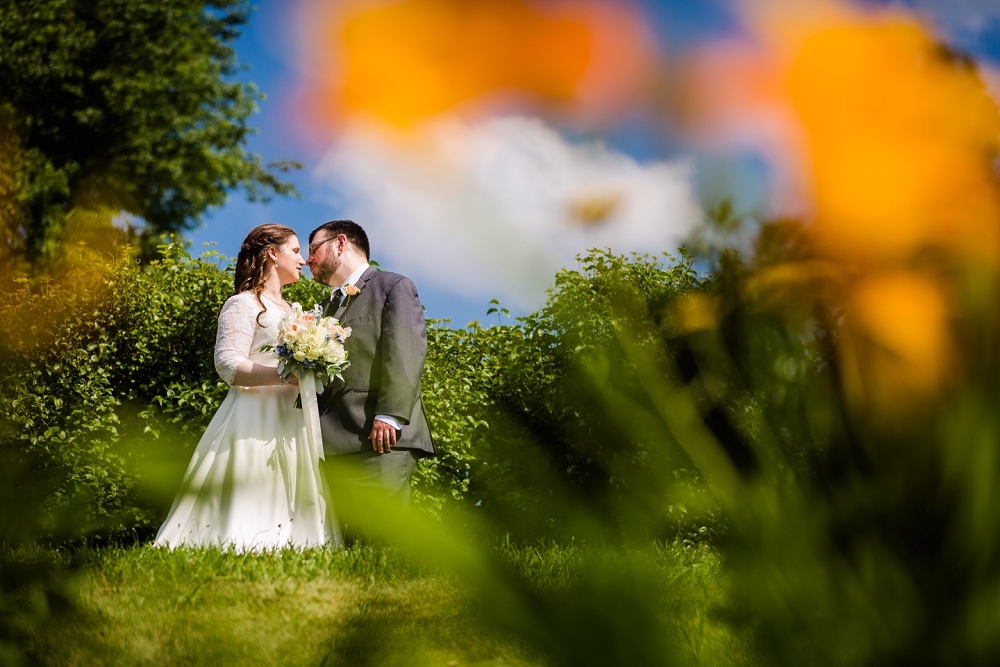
(494, 208)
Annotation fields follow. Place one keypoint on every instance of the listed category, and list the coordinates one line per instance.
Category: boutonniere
(350, 291)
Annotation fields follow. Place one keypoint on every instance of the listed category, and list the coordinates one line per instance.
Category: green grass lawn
(360, 606)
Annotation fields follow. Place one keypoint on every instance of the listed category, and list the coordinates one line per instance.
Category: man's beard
(323, 271)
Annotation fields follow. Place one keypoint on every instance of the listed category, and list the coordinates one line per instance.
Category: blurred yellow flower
(891, 141)
(406, 60)
(880, 134)
(693, 312)
(899, 323)
(901, 137)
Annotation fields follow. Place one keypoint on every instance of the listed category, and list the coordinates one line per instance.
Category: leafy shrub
(109, 350)
(118, 375)
(531, 408)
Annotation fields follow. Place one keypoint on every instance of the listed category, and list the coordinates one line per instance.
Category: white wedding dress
(254, 482)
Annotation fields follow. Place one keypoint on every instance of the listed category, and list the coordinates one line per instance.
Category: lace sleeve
(237, 323)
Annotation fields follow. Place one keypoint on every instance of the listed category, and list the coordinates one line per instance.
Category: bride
(253, 483)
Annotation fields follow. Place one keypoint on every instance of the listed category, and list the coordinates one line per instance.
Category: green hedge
(108, 382)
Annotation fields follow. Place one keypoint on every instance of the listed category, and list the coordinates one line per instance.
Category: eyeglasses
(313, 246)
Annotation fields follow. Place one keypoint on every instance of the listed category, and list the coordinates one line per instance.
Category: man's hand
(383, 437)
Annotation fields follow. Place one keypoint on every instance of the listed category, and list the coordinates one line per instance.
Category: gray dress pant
(353, 476)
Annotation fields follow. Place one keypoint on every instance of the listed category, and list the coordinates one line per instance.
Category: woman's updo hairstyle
(251, 263)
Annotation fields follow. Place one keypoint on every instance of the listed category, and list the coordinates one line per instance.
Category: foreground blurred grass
(360, 606)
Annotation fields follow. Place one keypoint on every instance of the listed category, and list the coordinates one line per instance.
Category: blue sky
(458, 294)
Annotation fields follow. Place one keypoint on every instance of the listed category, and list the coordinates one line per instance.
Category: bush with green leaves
(90, 355)
(542, 399)
(110, 373)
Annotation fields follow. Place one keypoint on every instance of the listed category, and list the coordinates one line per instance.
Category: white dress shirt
(351, 279)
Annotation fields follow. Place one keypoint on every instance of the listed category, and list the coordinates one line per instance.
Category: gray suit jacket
(387, 348)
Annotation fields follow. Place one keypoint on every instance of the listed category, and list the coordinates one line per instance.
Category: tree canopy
(122, 105)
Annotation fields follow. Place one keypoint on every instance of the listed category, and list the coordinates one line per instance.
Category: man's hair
(352, 230)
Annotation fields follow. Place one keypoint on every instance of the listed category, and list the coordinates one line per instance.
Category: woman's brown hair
(251, 263)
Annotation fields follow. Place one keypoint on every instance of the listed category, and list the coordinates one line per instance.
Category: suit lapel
(348, 302)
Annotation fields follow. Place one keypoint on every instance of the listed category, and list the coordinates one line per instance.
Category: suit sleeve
(404, 350)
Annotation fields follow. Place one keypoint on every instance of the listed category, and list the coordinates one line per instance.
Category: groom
(374, 428)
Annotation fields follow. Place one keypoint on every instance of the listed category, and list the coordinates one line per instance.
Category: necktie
(338, 298)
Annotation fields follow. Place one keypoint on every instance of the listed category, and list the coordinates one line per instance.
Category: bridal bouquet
(309, 343)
